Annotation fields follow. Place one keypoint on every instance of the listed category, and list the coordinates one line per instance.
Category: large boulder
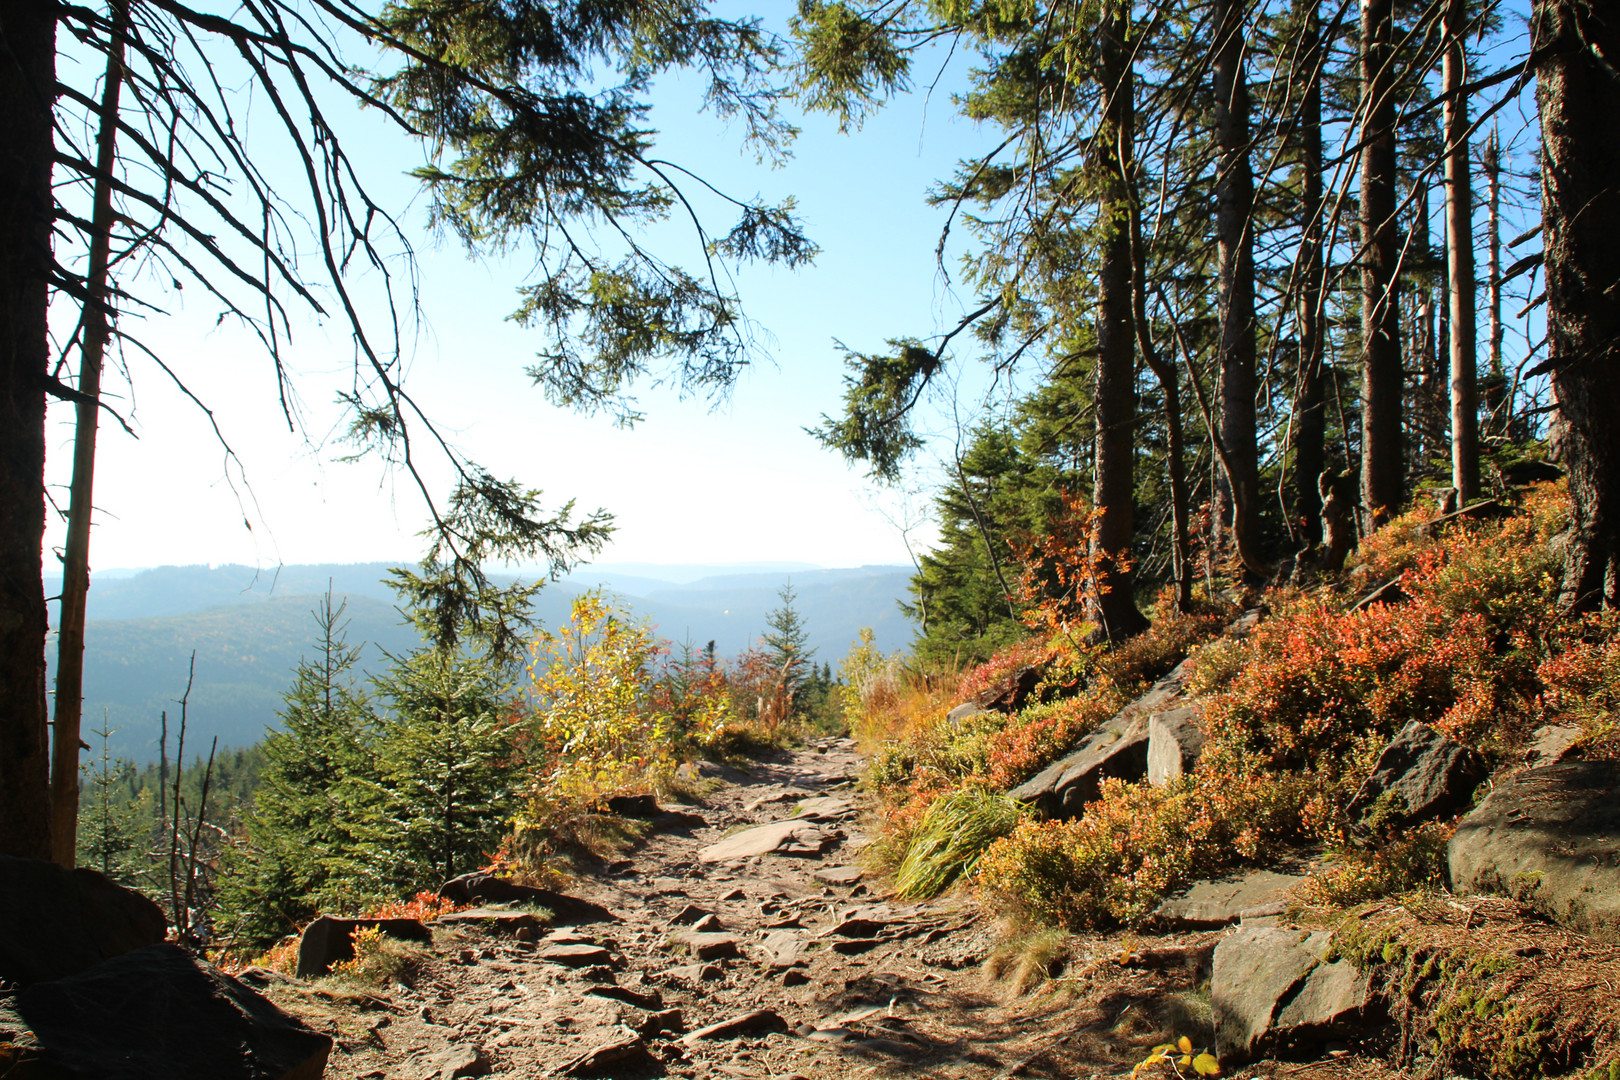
(56, 922)
(1277, 991)
(155, 1014)
(330, 940)
(1175, 743)
(1118, 749)
(1420, 776)
(1549, 837)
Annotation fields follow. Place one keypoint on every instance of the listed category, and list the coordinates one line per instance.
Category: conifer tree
(788, 651)
(111, 836)
(445, 793)
(299, 852)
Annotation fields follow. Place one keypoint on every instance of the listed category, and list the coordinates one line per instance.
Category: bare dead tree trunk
(1114, 477)
(1460, 261)
(95, 328)
(27, 93)
(1382, 461)
(1578, 93)
(1234, 213)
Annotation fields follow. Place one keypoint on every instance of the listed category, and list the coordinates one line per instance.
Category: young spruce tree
(299, 854)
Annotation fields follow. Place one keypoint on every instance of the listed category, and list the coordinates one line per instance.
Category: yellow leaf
(1185, 1045)
(1206, 1065)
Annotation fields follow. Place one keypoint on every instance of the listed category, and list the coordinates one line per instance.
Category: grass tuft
(952, 836)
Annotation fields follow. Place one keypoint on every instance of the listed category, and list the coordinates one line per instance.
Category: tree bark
(1234, 212)
(1495, 388)
(1114, 477)
(1578, 93)
(27, 89)
(1382, 464)
(1460, 261)
(1310, 413)
(96, 326)
(1175, 436)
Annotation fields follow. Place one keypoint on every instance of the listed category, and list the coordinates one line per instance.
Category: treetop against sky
(739, 482)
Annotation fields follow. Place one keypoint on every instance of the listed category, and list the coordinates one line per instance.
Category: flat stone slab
(491, 889)
(625, 1050)
(1420, 776)
(758, 1022)
(1207, 905)
(796, 836)
(781, 948)
(495, 920)
(574, 956)
(839, 875)
(710, 946)
(825, 808)
(1549, 837)
(651, 1000)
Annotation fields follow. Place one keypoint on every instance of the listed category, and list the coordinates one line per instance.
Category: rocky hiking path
(745, 940)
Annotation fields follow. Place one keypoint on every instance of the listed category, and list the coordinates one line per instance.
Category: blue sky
(691, 483)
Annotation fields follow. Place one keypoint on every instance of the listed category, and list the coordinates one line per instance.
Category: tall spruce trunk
(1460, 261)
(1114, 476)
(1310, 413)
(1578, 93)
(1175, 434)
(1382, 461)
(1496, 387)
(1234, 212)
(27, 94)
(96, 328)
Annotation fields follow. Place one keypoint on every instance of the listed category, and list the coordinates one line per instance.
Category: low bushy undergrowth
(1115, 863)
(1297, 712)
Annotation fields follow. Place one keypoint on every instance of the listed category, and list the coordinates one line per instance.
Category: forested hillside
(249, 628)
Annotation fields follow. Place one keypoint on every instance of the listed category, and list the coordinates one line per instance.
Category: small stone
(690, 914)
(627, 1050)
(696, 972)
(459, 1062)
(735, 894)
(839, 875)
(708, 946)
(709, 924)
(650, 1000)
(466, 956)
(794, 977)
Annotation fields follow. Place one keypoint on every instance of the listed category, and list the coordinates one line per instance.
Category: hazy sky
(742, 482)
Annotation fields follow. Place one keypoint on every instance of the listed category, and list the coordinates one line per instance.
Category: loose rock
(791, 837)
(56, 922)
(757, 1022)
(1420, 776)
(1273, 991)
(329, 940)
(155, 1014)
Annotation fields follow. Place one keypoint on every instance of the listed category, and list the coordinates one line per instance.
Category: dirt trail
(826, 976)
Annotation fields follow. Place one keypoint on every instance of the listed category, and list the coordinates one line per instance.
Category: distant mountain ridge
(249, 627)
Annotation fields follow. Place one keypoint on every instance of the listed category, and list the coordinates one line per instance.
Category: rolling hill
(249, 628)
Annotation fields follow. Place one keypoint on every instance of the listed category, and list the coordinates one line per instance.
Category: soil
(832, 977)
